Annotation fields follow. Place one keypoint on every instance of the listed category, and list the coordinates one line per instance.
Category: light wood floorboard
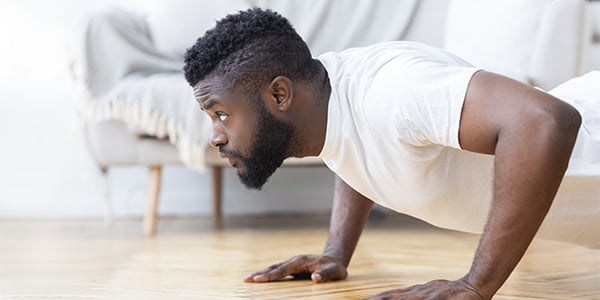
(195, 259)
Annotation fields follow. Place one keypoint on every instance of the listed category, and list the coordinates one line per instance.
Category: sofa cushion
(498, 36)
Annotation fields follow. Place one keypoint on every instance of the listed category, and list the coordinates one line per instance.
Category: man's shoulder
(367, 61)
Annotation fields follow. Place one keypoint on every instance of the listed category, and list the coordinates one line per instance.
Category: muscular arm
(531, 135)
(348, 217)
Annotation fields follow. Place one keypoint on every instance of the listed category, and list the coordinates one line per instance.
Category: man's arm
(348, 217)
(531, 135)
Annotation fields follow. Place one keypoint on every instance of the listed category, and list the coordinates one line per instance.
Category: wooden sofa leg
(217, 188)
(152, 205)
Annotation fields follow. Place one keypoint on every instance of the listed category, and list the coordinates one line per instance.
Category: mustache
(230, 153)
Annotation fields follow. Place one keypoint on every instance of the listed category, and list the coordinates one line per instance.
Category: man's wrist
(485, 288)
(473, 289)
(338, 254)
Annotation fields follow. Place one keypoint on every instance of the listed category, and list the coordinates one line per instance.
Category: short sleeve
(417, 98)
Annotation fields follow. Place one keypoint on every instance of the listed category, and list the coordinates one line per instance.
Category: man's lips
(230, 159)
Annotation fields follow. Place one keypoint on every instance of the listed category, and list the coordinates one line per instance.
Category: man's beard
(270, 146)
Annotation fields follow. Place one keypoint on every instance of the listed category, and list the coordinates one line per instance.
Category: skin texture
(530, 133)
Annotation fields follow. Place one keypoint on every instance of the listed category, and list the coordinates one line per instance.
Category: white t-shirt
(392, 135)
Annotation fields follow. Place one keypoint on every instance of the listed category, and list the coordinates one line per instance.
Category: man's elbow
(567, 120)
(562, 123)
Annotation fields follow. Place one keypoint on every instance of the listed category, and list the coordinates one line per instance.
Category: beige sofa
(536, 41)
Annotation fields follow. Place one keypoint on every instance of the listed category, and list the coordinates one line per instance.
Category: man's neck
(313, 119)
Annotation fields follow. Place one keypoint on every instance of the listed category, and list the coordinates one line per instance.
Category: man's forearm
(348, 217)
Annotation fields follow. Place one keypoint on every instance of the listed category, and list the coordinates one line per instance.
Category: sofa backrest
(331, 25)
(176, 24)
(535, 41)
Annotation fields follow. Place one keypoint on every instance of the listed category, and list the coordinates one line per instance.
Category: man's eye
(222, 116)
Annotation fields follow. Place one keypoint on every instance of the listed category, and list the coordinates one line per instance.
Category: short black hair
(248, 49)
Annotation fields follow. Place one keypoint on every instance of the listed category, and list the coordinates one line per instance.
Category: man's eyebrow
(207, 104)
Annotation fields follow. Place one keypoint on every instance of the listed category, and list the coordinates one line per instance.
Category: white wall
(44, 169)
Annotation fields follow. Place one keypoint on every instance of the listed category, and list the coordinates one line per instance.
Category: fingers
(319, 268)
(436, 289)
(250, 277)
(277, 271)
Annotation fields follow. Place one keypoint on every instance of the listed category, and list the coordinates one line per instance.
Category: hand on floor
(316, 267)
(436, 289)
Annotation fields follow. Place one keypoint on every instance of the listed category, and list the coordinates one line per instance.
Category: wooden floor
(194, 259)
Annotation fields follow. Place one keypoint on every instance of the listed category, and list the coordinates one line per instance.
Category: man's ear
(281, 92)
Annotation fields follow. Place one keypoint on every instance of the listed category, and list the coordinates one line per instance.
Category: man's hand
(348, 217)
(437, 289)
(316, 267)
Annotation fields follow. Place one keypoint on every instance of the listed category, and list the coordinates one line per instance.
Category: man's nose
(217, 137)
